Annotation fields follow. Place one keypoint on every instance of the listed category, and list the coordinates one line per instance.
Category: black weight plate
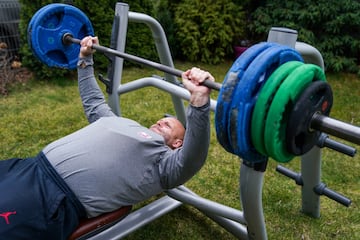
(317, 97)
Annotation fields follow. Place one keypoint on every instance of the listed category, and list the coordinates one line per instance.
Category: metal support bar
(229, 218)
(310, 54)
(325, 141)
(138, 219)
(320, 189)
(205, 205)
(160, 84)
(119, 31)
(164, 55)
(311, 176)
(251, 183)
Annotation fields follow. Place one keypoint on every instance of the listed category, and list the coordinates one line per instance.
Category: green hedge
(202, 30)
(331, 26)
(207, 30)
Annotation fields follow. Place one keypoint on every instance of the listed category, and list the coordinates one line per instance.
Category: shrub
(164, 13)
(139, 39)
(332, 26)
(207, 30)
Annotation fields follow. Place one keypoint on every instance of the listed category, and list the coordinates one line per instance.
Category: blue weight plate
(35, 18)
(227, 91)
(47, 30)
(244, 100)
(30, 26)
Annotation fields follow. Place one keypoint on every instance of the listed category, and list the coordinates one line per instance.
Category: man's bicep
(96, 112)
(175, 170)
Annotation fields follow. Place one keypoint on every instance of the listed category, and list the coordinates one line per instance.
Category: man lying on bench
(111, 163)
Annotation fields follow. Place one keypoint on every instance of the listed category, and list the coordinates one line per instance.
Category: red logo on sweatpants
(6, 215)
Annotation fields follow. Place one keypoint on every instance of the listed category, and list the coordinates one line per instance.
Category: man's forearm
(91, 95)
(198, 99)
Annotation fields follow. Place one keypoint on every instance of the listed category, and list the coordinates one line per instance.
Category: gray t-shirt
(115, 161)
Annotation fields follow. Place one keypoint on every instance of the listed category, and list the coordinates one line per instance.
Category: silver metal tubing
(206, 205)
(118, 41)
(336, 128)
(235, 227)
(325, 141)
(160, 84)
(285, 36)
(164, 54)
(138, 219)
(251, 183)
(310, 54)
(311, 177)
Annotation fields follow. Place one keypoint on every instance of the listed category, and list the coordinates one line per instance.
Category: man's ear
(177, 143)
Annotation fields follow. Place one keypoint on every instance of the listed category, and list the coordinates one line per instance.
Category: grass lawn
(38, 112)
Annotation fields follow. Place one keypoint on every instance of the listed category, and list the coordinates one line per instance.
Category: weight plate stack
(246, 94)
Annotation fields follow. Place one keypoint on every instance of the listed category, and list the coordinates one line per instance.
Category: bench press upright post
(118, 41)
(251, 187)
(311, 161)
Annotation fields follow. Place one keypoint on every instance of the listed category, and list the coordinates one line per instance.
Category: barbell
(270, 103)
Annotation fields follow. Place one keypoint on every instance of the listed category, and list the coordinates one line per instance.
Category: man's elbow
(184, 175)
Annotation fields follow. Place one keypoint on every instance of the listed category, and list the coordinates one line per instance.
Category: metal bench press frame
(246, 224)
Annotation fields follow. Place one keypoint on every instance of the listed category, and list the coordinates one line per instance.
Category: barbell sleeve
(67, 39)
(335, 128)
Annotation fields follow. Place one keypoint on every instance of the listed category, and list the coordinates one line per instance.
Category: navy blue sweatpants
(35, 202)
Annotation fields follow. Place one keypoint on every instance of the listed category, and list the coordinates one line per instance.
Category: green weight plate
(263, 102)
(281, 106)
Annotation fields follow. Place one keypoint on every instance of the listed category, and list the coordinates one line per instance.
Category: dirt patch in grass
(12, 72)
